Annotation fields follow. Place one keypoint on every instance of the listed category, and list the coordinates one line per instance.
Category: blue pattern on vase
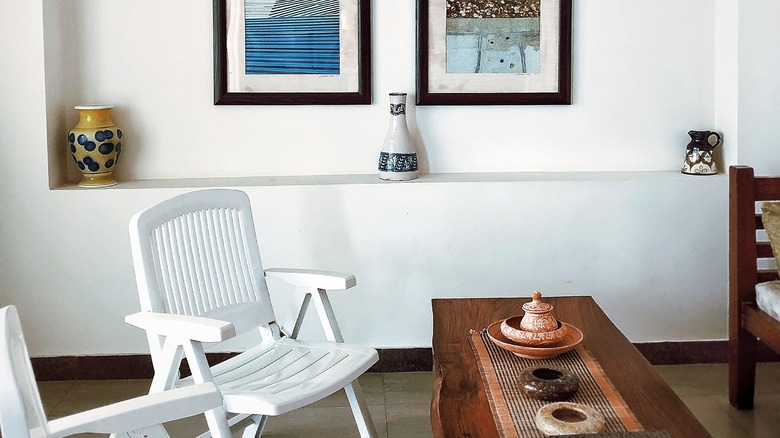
(100, 144)
(397, 162)
(104, 135)
(106, 148)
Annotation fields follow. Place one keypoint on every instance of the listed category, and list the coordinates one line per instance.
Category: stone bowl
(548, 383)
(564, 418)
(511, 328)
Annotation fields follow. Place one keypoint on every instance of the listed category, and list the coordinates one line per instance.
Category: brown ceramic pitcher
(699, 153)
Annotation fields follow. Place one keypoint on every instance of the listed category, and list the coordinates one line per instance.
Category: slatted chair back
(196, 254)
(750, 252)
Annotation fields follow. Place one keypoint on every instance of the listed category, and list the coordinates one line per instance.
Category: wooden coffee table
(459, 407)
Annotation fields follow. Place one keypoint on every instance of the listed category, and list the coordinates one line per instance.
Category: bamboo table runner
(514, 412)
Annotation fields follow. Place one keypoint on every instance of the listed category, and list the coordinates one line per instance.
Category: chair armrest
(141, 412)
(313, 278)
(318, 283)
(196, 328)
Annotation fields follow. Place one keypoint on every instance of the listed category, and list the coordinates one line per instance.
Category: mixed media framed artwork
(292, 52)
(488, 52)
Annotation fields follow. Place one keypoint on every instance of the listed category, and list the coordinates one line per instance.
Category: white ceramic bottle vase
(398, 158)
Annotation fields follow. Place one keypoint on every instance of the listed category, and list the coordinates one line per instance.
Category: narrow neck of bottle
(398, 104)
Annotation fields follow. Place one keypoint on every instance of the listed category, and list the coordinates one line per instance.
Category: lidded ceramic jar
(537, 327)
(538, 316)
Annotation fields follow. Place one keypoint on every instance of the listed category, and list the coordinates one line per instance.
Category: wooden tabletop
(459, 407)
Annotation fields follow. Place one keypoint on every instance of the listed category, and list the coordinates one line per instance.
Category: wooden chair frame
(748, 323)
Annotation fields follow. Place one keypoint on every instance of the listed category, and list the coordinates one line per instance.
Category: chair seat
(277, 377)
(768, 298)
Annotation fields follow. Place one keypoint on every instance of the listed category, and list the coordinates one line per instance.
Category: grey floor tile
(89, 394)
(409, 421)
(187, 427)
(764, 420)
(716, 415)
(322, 422)
(52, 393)
(372, 387)
(408, 388)
(400, 404)
(768, 378)
(704, 389)
(710, 379)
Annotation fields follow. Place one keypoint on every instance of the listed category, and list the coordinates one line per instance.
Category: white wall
(759, 89)
(649, 243)
(726, 67)
(640, 83)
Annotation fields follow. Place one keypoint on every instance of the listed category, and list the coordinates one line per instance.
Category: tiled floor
(399, 404)
(704, 389)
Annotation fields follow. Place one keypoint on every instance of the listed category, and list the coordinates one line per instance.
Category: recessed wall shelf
(363, 179)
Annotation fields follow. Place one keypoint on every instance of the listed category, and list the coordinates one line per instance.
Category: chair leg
(360, 410)
(301, 314)
(256, 427)
(327, 318)
(166, 370)
(333, 333)
(155, 431)
(218, 426)
(196, 358)
(742, 369)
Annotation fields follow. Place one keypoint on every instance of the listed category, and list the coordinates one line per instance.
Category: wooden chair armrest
(310, 278)
(141, 412)
(196, 328)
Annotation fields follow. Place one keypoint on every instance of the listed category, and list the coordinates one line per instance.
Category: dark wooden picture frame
(428, 87)
(357, 92)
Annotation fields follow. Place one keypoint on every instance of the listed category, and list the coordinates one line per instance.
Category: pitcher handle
(717, 143)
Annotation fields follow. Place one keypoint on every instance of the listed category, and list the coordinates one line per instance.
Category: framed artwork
(292, 52)
(480, 52)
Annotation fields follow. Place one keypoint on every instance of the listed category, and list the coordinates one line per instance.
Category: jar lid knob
(537, 306)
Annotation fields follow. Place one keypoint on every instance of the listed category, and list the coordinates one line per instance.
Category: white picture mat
(439, 81)
(347, 81)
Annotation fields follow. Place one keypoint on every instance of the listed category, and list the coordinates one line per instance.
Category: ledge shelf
(366, 179)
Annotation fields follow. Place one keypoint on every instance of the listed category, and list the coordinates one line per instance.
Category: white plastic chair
(21, 410)
(200, 280)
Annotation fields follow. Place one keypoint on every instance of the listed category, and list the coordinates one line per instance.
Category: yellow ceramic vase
(95, 143)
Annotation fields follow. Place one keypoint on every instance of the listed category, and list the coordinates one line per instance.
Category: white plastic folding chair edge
(21, 409)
